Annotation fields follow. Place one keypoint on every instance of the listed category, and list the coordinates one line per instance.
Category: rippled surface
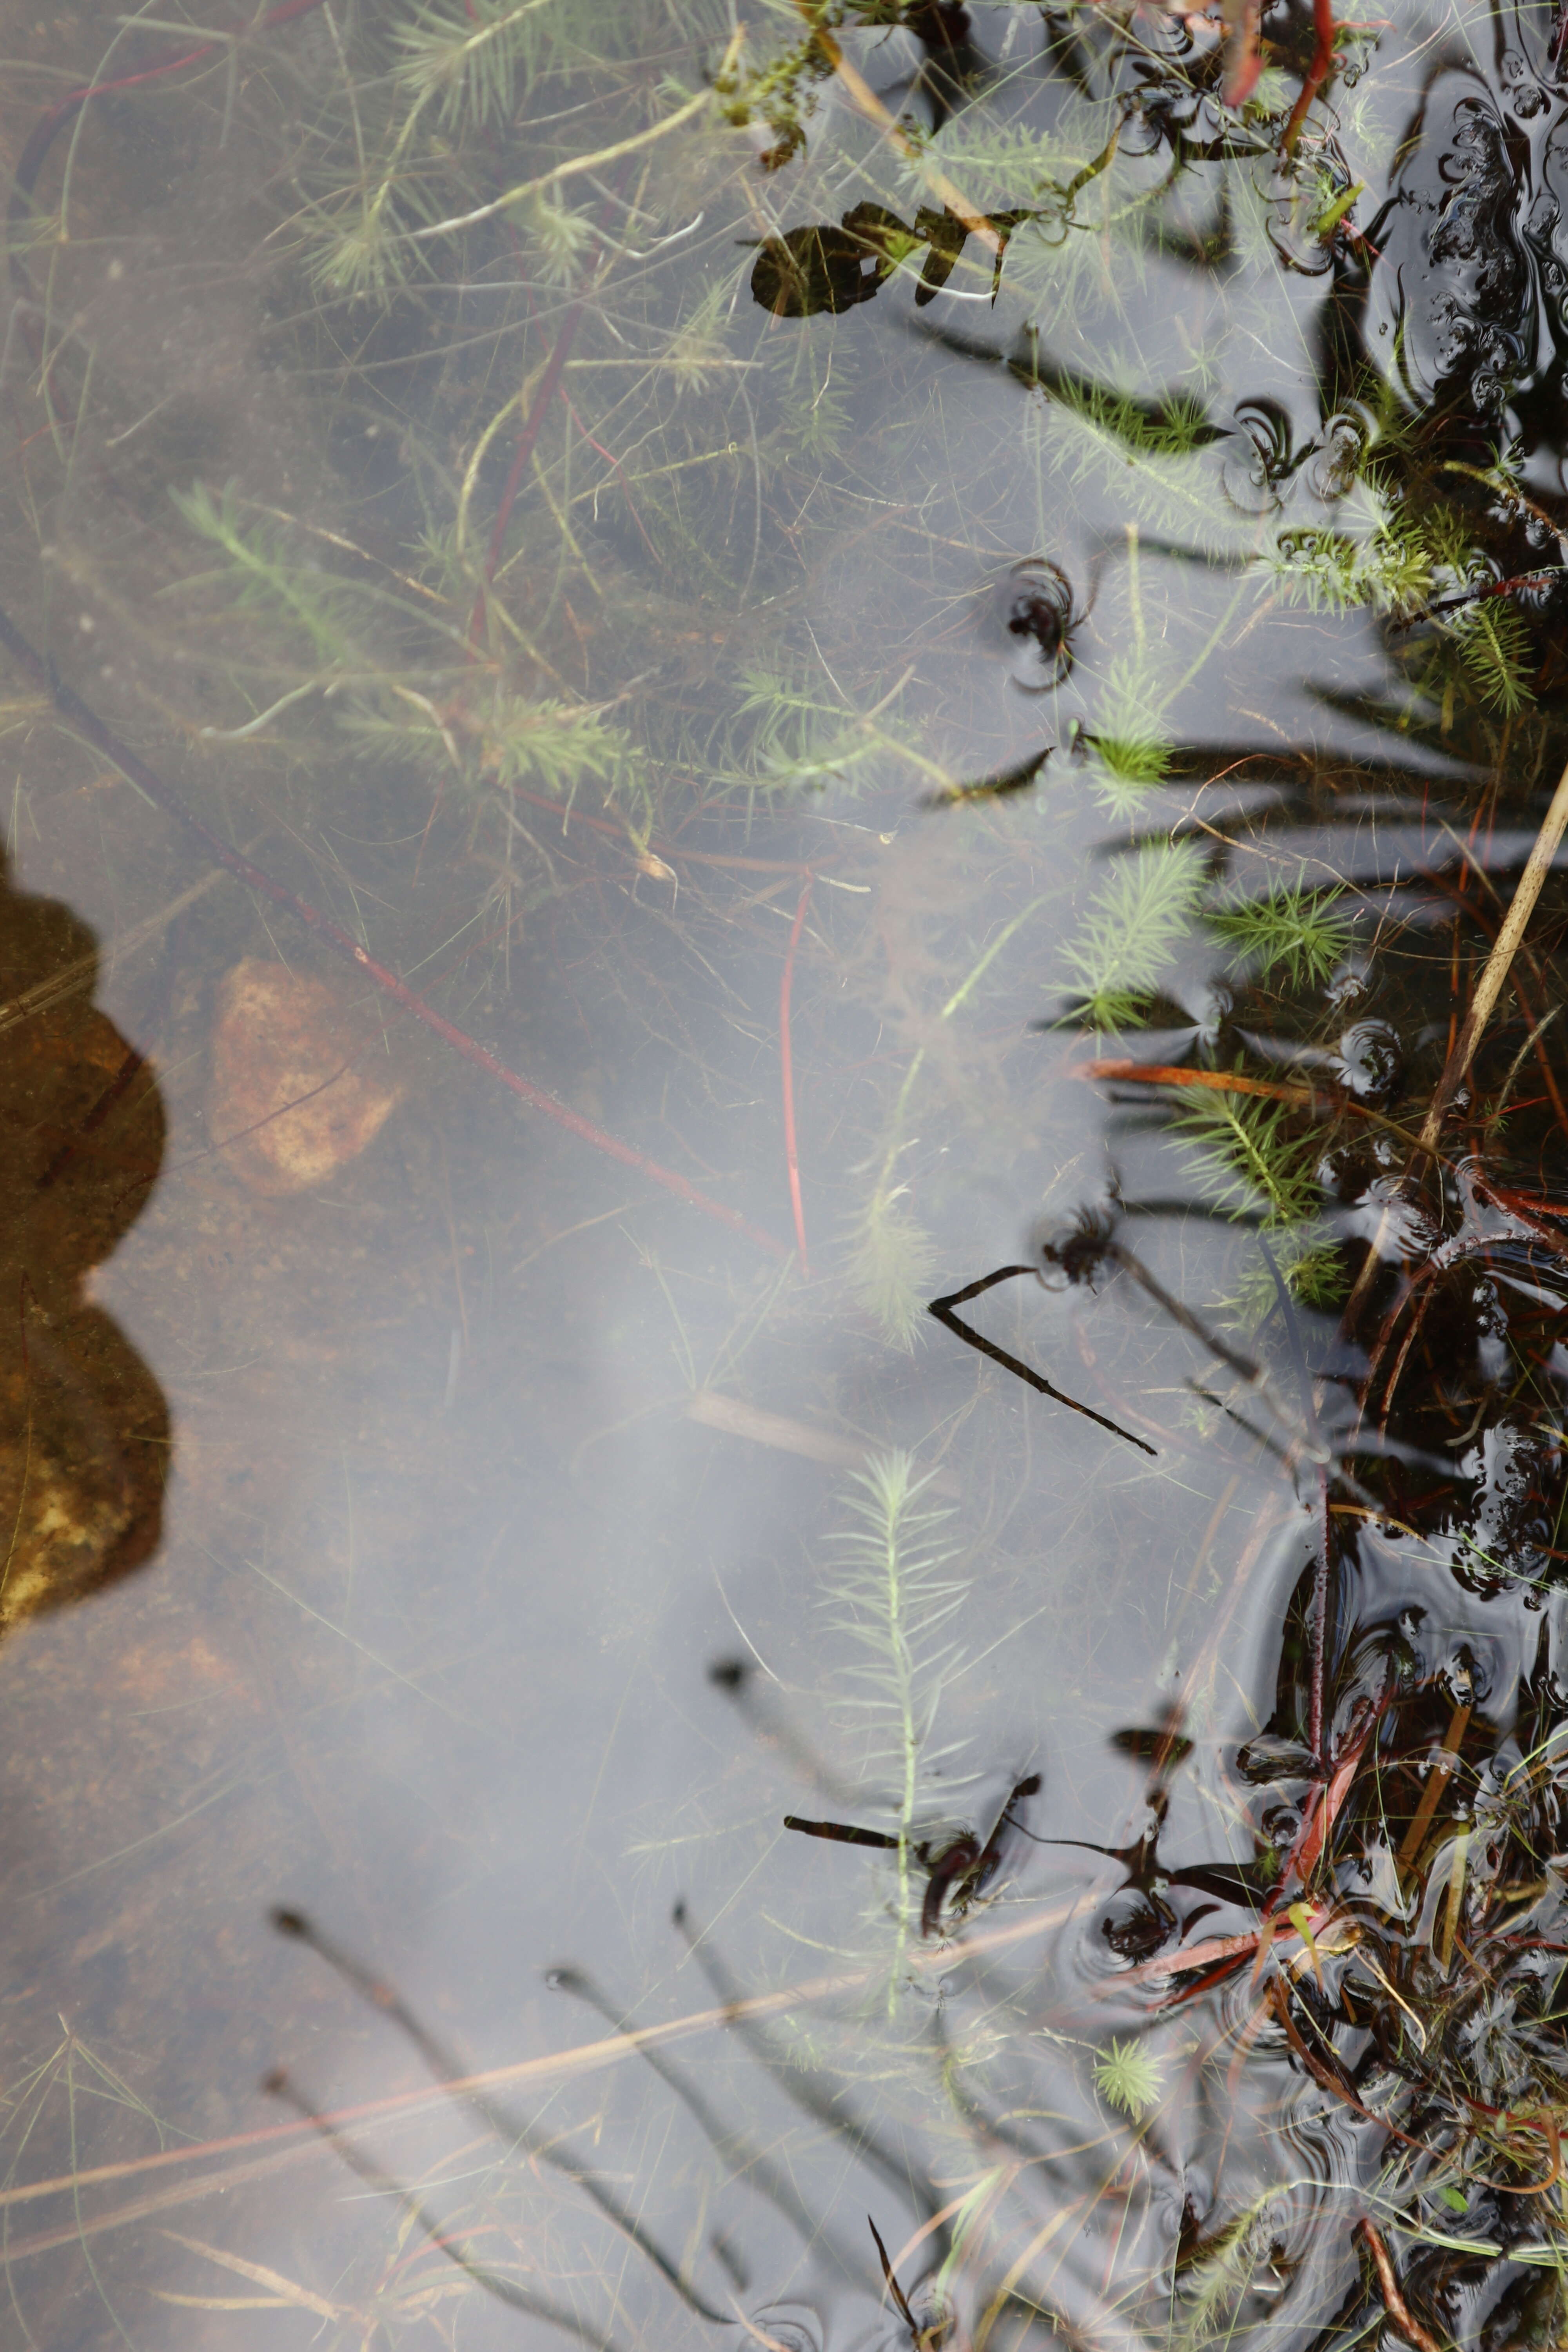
(829, 663)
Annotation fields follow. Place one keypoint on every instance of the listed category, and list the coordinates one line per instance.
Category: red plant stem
(1321, 1596)
(1481, 595)
(1317, 73)
(786, 1072)
(544, 394)
(344, 944)
(611, 459)
(46, 129)
(608, 455)
(1313, 1837)
(1326, 1102)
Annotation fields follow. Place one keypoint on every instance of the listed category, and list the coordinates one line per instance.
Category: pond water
(676, 683)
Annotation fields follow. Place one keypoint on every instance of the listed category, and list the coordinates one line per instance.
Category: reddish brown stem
(786, 1071)
(50, 125)
(538, 409)
(1313, 1838)
(612, 460)
(1318, 72)
(1480, 595)
(1225, 1082)
(544, 394)
(1392, 2294)
(341, 943)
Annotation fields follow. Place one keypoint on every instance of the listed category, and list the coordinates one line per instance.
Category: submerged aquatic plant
(1136, 921)
(1249, 1155)
(1128, 2075)
(1294, 935)
(892, 1262)
(890, 1598)
(598, 534)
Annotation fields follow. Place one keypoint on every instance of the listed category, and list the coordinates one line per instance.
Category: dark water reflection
(507, 1577)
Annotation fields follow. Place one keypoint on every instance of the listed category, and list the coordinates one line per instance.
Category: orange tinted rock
(297, 1091)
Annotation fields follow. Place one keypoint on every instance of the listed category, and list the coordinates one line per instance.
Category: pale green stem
(1133, 588)
(894, 1512)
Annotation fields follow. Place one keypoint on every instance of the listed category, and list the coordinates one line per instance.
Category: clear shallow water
(483, 1450)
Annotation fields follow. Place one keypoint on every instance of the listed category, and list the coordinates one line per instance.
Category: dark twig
(844, 1833)
(279, 2087)
(443, 2068)
(797, 2082)
(1481, 594)
(1322, 1584)
(943, 1309)
(894, 2289)
(1330, 2079)
(1015, 779)
(747, 2163)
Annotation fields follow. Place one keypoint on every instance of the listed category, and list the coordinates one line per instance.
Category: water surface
(577, 499)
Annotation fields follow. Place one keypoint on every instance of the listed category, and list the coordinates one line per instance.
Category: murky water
(763, 618)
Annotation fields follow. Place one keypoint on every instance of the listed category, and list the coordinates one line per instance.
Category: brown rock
(296, 1091)
(84, 1429)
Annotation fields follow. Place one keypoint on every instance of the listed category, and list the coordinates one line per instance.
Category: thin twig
(868, 105)
(894, 2289)
(943, 1309)
(1443, 1764)
(544, 392)
(714, 1410)
(385, 2185)
(1319, 1099)
(570, 814)
(843, 1834)
(1481, 595)
(1504, 948)
(577, 164)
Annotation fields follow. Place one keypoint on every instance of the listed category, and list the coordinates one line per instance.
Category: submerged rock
(294, 1095)
(84, 1429)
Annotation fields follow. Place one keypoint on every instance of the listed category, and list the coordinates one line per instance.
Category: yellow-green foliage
(1136, 922)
